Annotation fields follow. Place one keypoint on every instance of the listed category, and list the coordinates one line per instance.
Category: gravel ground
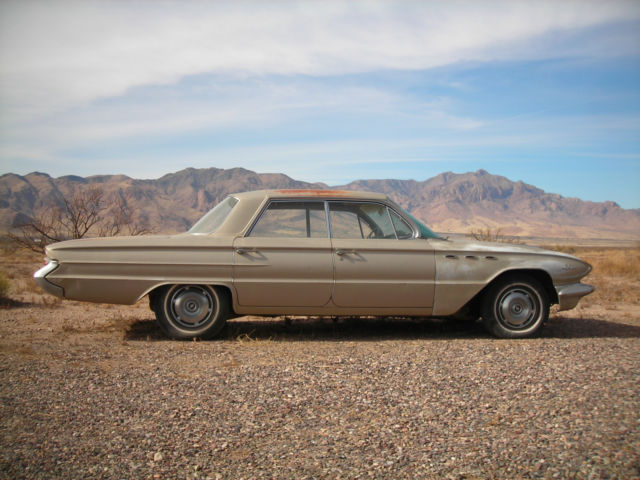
(91, 391)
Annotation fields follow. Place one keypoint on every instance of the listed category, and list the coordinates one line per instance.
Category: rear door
(285, 260)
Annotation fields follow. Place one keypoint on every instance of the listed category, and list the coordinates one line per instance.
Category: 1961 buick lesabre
(315, 252)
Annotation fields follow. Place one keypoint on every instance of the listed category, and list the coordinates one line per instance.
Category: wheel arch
(541, 276)
(154, 292)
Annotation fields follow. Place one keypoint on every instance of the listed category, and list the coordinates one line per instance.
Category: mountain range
(449, 202)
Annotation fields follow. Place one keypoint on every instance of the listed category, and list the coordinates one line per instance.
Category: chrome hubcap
(517, 308)
(191, 306)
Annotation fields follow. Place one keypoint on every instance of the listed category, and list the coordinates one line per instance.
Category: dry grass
(571, 249)
(615, 274)
(617, 262)
(20, 265)
(610, 261)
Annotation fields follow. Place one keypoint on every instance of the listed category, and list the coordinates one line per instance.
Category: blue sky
(544, 92)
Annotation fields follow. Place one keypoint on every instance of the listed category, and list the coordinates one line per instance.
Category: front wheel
(515, 307)
(191, 311)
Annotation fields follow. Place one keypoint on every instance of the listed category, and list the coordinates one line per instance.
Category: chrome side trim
(43, 283)
(570, 295)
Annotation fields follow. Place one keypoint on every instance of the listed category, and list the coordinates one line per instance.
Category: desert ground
(96, 391)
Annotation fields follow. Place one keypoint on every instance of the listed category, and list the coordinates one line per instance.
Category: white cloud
(81, 79)
(169, 111)
(55, 54)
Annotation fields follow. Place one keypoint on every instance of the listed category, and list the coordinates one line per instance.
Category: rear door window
(292, 220)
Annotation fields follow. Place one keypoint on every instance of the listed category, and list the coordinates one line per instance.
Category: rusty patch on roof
(317, 193)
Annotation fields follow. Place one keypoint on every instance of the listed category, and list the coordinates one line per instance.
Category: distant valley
(448, 202)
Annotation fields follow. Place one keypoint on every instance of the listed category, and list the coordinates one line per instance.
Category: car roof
(310, 193)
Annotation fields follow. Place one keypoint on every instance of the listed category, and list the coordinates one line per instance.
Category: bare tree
(84, 213)
(119, 219)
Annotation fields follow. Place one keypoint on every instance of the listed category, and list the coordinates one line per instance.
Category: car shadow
(351, 328)
(382, 328)
(563, 327)
(11, 303)
(323, 328)
(144, 330)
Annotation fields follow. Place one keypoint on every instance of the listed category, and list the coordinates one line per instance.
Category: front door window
(366, 220)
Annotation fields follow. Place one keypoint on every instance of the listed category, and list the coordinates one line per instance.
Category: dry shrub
(26, 285)
(489, 235)
(4, 285)
(51, 301)
(561, 248)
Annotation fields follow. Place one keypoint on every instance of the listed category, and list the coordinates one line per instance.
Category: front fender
(460, 276)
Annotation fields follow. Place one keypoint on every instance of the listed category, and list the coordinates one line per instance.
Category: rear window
(215, 217)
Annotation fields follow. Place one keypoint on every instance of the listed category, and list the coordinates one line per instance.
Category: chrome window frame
(326, 201)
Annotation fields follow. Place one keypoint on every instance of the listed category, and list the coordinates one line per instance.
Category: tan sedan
(315, 252)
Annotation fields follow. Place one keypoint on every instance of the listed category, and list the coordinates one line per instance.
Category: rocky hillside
(171, 203)
(448, 203)
(461, 202)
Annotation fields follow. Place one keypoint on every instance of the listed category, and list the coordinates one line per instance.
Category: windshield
(425, 232)
(214, 218)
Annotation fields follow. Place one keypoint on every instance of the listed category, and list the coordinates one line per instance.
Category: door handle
(342, 252)
(244, 251)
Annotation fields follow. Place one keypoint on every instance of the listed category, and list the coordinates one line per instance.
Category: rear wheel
(515, 307)
(190, 311)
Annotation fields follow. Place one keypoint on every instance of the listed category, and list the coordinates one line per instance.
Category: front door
(378, 262)
(285, 260)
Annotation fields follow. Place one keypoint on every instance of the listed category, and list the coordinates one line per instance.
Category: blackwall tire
(192, 311)
(515, 307)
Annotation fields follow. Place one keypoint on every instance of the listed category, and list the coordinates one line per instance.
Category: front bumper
(43, 283)
(570, 295)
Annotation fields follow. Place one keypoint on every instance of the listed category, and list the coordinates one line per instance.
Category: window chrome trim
(414, 229)
(326, 212)
(395, 232)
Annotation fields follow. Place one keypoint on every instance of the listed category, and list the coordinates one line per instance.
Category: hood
(464, 245)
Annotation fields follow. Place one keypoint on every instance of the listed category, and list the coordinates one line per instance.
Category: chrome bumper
(570, 295)
(43, 283)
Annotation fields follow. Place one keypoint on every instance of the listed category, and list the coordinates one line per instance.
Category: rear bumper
(43, 283)
(570, 295)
